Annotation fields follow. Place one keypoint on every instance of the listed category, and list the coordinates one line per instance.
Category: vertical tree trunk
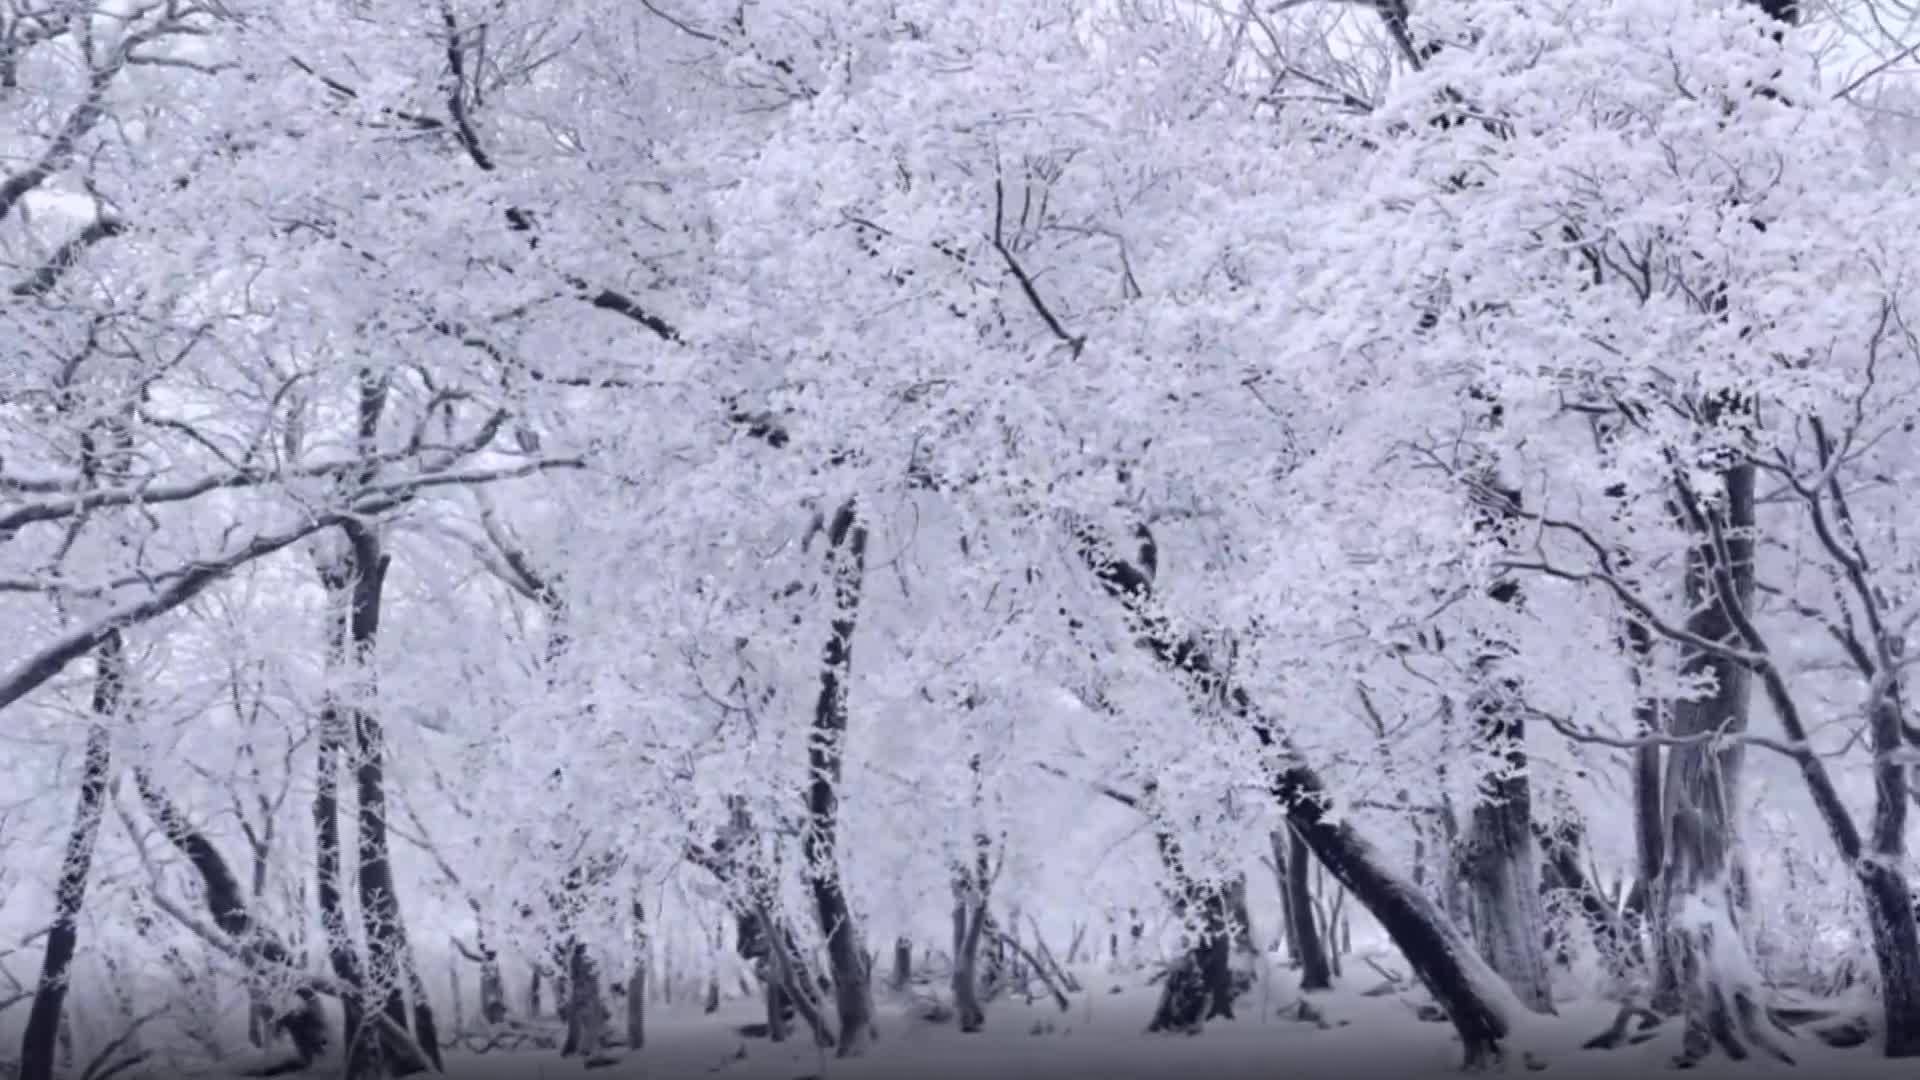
(1504, 908)
(1498, 857)
(39, 1044)
(902, 964)
(587, 1009)
(1199, 987)
(1277, 841)
(363, 1052)
(637, 980)
(853, 990)
(1316, 971)
(493, 985)
(969, 919)
(1710, 964)
(363, 574)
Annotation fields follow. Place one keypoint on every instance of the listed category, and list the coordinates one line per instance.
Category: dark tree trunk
(493, 985)
(1498, 858)
(1199, 987)
(902, 964)
(637, 980)
(1708, 957)
(39, 1044)
(852, 985)
(1316, 971)
(969, 919)
(363, 1052)
(1474, 998)
(587, 1009)
(305, 1024)
(363, 576)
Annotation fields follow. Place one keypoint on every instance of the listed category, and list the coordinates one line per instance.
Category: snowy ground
(1103, 1037)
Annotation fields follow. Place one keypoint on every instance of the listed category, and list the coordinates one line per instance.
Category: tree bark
(1199, 987)
(1498, 857)
(1710, 965)
(39, 1044)
(852, 985)
(363, 576)
(363, 1052)
(1475, 999)
(1303, 935)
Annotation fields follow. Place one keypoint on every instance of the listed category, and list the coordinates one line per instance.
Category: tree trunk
(305, 1023)
(1498, 857)
(852, 985)
(1504, 910)
(586, 1008)
(902, 964)
(1475, 999)
(363, 574)
(39, 1044)
(1199, 987)
(363, 1052)
(1303, 935)
(637, 980)
(969, 919)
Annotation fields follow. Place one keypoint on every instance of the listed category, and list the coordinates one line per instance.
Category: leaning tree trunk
(852, 983)
(39, 1044)
(1303, 934)
(1479, 1004)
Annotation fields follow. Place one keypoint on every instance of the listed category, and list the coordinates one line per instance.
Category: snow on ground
(1103, 1036)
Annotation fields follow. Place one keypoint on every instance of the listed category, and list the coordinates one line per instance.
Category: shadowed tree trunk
(1296, 888)
(39, 1043)
(852, 984)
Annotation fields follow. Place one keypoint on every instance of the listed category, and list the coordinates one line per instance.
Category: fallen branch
(1059, 995)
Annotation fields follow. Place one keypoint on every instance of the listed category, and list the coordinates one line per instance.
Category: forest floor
(1102, 1037)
